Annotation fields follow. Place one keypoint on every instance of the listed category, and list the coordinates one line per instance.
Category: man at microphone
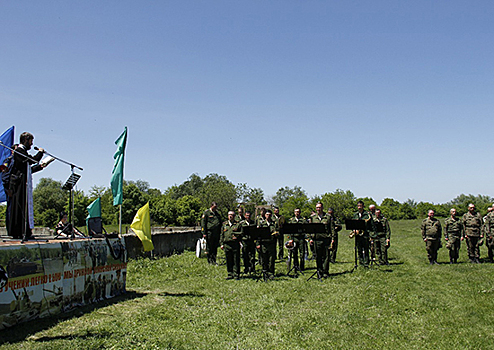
(21, 186)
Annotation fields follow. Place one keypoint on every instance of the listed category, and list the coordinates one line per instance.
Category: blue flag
(7, 139)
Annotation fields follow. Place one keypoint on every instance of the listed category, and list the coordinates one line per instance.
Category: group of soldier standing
(471, 228)
(233, 238)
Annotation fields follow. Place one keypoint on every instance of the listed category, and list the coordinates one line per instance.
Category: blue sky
(384, 98)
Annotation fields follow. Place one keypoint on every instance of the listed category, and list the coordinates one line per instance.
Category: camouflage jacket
(230, 232)
(301, 220)
(273, 227)
(453, 227)
(489, 225)
(472, 224)
(210, 222)
(326, 220)
(245, 223)
(381, 226)
(431, 229)
(368, 219)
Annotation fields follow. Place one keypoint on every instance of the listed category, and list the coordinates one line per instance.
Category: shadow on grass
(87, 336)
(22, 331)
(166, 294)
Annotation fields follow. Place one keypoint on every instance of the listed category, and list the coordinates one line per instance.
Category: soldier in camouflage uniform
(489, 234)
(267, 246)
(240, 214)
(382, 237)
(431, 234)
(261, 216)
(280, 220)
(211, 229)
(372, 234)
(453, 235)
(248, 245)
(322, 241)
(362, 238)
(299, 241)
(230, 244)
(336, 225)
(472, 226)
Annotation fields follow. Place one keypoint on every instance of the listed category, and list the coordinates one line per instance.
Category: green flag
(94, 209)
(118, 169)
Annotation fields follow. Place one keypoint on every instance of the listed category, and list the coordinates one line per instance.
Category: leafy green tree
(462, 201)
(133, 200)
(293, 202)
(188, 209)
(48, 218)
(344, 203)
(109, 212)
(284, 193)
(256, 196)
(48, 195)
(249, 197)
(80, 204)
(192, 186)
(407, 212)
(96, 191)
(423, 208)
(217, 188)
(390, 208)
(163, 210)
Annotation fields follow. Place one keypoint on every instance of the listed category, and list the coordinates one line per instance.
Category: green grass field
(181, 302)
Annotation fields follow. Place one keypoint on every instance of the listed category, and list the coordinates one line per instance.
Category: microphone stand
(28, 157)
(61, 160)
(69, 184)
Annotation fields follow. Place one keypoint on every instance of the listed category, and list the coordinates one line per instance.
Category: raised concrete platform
(167, 241)
(46, 276)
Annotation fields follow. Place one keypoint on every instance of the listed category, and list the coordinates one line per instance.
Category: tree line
(182, 205)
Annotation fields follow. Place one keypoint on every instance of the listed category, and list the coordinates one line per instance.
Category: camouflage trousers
(281, 246)
(453, 246)
(381, 249)
(362, 245)
(322, 255)
(249, 254)
(212, 244)
(432, 246)
(333, 250)
(490, 247)
(232, 255)
(298, 253)
(268, 256)
(473, 247)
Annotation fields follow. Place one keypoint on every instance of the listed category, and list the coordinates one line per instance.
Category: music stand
(293, 229)
(258, 233)
(309, 228)
(313, 228)
(355, 225)
(69, 185)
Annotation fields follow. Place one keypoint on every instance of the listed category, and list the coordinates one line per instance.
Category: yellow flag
(142, 227)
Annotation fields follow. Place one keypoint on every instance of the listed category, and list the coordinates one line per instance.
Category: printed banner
(39, 280)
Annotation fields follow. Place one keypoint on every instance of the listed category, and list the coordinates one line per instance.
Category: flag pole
(120, 220)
